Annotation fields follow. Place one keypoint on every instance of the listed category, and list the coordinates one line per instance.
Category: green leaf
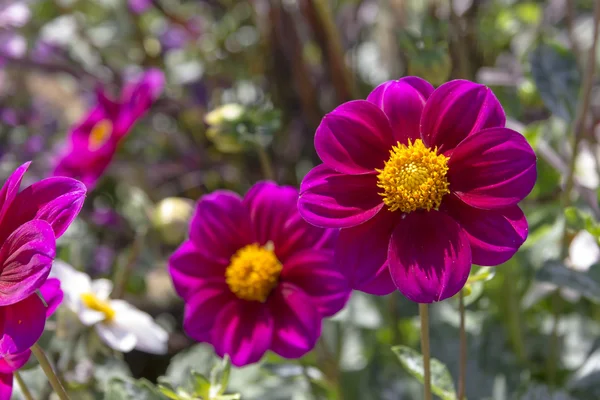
(168, 391)
(219, 376)
(201, 385)
(441, 380)
(556, 273)
(555, 73)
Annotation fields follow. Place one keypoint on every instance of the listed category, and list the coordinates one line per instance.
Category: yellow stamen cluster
(253, 272)
(100, 134)
(92, 302)
(413, 178)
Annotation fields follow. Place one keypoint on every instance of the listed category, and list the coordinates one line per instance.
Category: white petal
(72, 282)
(583, 251)
(90, 317)
(102, 288)
(116, 337)
(586, 169)
(151, 337)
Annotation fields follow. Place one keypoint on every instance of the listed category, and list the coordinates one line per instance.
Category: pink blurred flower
(94, 141)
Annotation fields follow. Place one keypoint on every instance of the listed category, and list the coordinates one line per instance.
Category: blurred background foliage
(247, 84)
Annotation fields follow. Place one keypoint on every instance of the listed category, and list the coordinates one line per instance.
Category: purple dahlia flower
(53, 296)
(255, 276)
(94, 141)
(30, 222)
(423, 182)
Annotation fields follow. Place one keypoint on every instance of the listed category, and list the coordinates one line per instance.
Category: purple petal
(403, 101)
(296, 319)
(333, 200)
(430, 257)
(202, 308)
(494, 168)
(6, 384)
(10, 189)
(313, 271)
(21, 325)
(244, 330)
(26, 259)
(355, 138)
(456, 110)
(189, 269)
(52, 294)
(139, 6)
(221, 225)
(13, 362)
(494, 235)
(361, 253)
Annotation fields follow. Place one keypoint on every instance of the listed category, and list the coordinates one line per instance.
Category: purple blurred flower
(255, 276)
(30, 222)
(425, 182)
(53, 296)
(103, 260)
(94, 141)
(139, 6)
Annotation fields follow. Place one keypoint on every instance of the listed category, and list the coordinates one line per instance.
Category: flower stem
(23, 386)
(47, 368)
(462, 374)
(265, 162)
(424, 313)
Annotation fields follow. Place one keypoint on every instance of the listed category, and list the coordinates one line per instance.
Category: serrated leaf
(441, 380)
(582, 282)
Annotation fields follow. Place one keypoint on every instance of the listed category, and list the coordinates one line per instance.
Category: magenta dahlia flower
(92, 143)
(53, 296)
(255, 276)
(30, 222)
(424, 183)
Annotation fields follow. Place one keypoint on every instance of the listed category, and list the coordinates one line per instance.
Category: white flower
(584, 251)
(119, 324)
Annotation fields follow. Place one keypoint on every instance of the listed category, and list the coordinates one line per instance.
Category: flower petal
(493, 168)
(21, 325)
(494, 235)
(13, 362)
(456, 110)
(73, 283)
(25, 261)
(52, 294)
(189, 269)
(429, 256)
(102, 288)
(355, 138)
(116, 337)
(332, 200)
(244, 330)
(6, 385)
(11, 188)
(403, 101)
(361, 253)
(313, 271)
(150, 337)
(221, 225)
(202, 308)
(297, 323)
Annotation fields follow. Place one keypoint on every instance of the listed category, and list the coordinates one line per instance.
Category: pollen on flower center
(253, 272)
(413, 178)
(92, 302)
(100, 134)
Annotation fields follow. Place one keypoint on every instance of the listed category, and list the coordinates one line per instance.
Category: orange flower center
(100, 134)
(253, 272)
(413, 178)
(92, 302)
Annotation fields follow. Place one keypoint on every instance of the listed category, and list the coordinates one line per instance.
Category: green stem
(23, 386)
(49, 371)
(424, 313)
(462, 375)
(265, 162)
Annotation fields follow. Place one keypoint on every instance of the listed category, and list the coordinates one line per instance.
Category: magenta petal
(221, 225)
(457, 109)
(11, 188)
(244, 330)
(494, 168)
(355, 138)
(429, 256)
(190, 269)
(13, 362)
(21, 325)
(332, 200)
(361, 253)
(6, 384)
(52, 294)
(25, 261)
(317, 276)
(297, 321)
(494, 235)
(202, 308)
(403, 101)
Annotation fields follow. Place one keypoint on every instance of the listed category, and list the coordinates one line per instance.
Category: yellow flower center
(100, 134)
(413, 178)
(253, 272)
(94, 303)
